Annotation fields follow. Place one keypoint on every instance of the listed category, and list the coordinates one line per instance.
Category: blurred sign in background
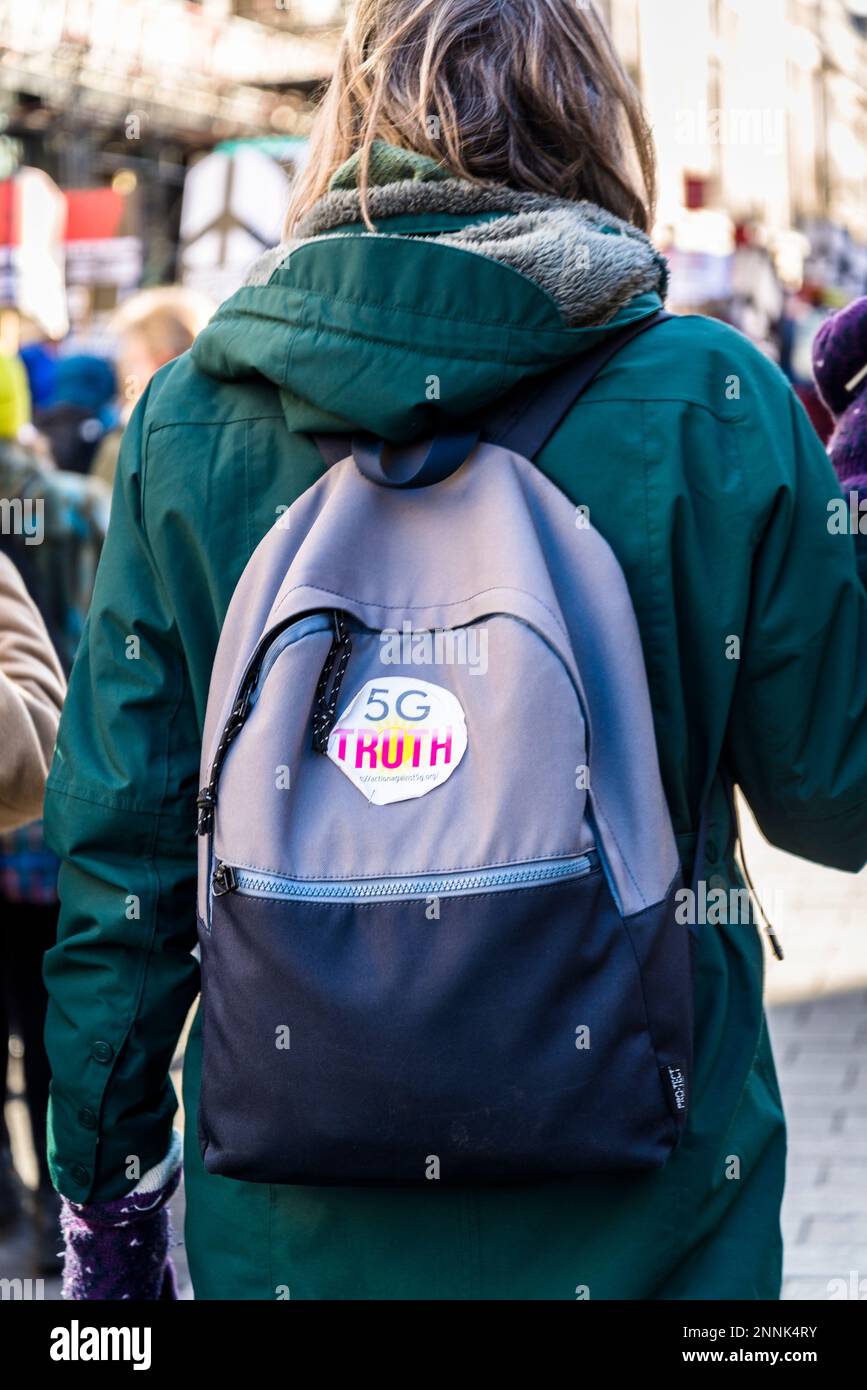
(120, 101)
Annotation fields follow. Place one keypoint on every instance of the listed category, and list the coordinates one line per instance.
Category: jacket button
(87, 1118)
(102, 1052)
(79, 1175)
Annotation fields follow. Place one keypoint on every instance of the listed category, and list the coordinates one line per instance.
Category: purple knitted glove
(120, 1249)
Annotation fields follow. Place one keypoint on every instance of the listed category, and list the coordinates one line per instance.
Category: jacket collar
(591, 263)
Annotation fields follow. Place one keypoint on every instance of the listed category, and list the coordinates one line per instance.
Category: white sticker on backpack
(399, 738)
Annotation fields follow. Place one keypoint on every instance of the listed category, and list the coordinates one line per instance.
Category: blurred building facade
(759, 109)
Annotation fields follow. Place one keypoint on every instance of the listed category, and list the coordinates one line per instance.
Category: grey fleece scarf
(590, 262)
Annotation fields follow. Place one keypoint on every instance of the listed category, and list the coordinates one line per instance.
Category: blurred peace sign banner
(234, 204)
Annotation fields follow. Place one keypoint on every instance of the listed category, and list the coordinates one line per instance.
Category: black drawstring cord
(325, 702)
(207, 799)
(324, 712)
(774, 940)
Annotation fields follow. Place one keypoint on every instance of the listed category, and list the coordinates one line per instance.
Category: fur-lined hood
(461, 292)
(591, 263)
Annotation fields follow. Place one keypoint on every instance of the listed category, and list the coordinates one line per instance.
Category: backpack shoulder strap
(526, 422)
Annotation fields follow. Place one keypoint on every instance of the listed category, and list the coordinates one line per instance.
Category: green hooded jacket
(701, 470)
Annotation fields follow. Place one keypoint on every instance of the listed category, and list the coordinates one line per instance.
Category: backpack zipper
(250, 883)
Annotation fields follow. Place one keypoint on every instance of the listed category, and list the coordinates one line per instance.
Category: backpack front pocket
(490, 1027)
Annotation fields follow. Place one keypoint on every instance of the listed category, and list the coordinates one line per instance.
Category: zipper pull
(762, 918)
(773, 939)
(223, 880)
(765, 921)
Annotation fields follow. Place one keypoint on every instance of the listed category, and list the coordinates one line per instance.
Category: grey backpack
(437, 870)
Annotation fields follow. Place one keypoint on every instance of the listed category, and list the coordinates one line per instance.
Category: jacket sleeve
(31, 696)
(119, 813)
(798, 728)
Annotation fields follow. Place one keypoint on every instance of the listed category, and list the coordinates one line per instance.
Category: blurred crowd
(62, 413)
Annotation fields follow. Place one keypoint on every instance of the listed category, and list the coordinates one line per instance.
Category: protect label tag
(399, 738)
(674, 1074)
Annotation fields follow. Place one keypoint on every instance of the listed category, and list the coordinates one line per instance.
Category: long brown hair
(528, 93)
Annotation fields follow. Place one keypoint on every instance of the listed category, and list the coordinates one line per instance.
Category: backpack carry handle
(413, 466)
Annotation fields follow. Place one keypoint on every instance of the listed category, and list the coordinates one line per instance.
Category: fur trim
(590, 262)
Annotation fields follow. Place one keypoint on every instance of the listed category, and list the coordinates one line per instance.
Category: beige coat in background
(31, 695)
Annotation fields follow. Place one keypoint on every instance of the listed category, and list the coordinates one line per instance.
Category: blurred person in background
(152, 328)
(54, 534)
(840, 367)
(488, 172)
(70, 509)
(31, 696)
(797, 329)
(79, 410)
(40, 362)
(757, 297)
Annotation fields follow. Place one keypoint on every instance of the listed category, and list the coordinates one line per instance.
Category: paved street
(818, 1011)
(818, 1016)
